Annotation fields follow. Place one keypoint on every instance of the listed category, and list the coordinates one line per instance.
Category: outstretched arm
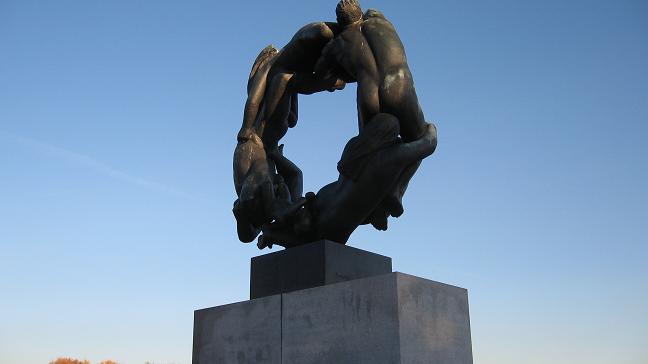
(307, 84)
(252, 104)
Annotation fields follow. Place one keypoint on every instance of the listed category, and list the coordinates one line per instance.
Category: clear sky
(118, 122)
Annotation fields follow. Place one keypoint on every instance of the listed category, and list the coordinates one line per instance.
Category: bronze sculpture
(375, 166)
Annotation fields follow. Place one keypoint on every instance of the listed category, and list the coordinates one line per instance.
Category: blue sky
(118, 123)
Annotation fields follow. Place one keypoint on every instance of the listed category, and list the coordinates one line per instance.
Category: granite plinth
(392, 318)
(244, 332)
(312, 265)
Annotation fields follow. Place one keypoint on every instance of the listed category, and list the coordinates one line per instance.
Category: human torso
(303, 50)
(354, 55)
(385, 44)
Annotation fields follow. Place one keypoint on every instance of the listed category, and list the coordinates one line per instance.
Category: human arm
(256, 92)
(307, 84)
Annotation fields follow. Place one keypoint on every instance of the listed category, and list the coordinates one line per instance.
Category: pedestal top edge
(324, 243)
(410, 276)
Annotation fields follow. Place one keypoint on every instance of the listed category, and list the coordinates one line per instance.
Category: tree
(69, 361)
(77, 361)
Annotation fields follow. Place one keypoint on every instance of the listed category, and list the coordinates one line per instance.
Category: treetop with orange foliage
(69, 361)
(76, 361)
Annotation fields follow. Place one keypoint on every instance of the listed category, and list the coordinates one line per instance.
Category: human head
(373, 13)
(348, 12)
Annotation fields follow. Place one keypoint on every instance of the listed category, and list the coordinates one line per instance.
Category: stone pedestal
(389, 318)
(312, 265)
(244, 332)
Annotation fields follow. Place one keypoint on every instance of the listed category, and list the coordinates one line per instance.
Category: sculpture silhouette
(375, 166)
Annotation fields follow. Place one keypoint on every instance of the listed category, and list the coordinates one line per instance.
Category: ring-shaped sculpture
(376, 165)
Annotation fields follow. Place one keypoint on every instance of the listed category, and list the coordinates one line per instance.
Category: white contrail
(93, 164)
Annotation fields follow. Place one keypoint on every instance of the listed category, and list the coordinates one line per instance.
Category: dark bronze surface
(376, 165)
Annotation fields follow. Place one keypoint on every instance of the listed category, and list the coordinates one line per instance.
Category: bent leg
(410, 154)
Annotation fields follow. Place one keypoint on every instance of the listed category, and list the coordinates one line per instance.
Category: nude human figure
(253, 174)
(253, 181)
(270, 109)
(369, 51)
(341, 206)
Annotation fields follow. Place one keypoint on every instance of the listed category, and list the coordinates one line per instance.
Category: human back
(303, 49)
(385, 44)
(396, 92)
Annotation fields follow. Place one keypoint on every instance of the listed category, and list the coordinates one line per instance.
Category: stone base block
(392, 318)
(316, 264)
(244, 332)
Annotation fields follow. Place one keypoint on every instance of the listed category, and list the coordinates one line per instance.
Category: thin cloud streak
(95, 165)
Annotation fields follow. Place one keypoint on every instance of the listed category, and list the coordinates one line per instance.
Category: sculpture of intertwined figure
(376, 165)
